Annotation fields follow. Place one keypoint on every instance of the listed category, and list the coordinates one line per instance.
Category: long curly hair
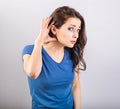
(58, 18)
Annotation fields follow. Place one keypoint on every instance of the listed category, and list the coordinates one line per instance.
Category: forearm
(77, 96)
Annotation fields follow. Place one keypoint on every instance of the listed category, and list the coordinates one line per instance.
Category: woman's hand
(43, 36)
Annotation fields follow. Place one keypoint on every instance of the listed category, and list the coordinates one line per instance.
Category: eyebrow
(74, 25)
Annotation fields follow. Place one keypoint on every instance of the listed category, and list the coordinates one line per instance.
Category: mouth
(73, 42)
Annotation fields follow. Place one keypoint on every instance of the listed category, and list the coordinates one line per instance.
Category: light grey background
(20, 24)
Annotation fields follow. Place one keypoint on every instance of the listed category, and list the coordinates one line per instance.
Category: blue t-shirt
(53, 87)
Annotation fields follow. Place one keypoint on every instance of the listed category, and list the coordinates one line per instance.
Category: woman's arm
(33, 62)
(76, 91)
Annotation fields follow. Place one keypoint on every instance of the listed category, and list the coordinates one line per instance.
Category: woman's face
(67, 34)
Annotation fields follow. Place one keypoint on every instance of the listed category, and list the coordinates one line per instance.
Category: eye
(78, 30)
(71, 28)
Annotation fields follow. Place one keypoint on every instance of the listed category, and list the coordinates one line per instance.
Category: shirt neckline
(52, 58)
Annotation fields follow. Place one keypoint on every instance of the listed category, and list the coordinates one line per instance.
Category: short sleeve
(27, 49)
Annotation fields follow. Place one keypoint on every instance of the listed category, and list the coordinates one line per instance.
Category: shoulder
(28, 46)
(27, 49)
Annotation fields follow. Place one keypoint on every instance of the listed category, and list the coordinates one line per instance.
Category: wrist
(38, 43)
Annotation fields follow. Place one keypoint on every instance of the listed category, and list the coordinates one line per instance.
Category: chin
(70, 46)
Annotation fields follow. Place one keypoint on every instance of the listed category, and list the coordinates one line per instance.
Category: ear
(53, 29)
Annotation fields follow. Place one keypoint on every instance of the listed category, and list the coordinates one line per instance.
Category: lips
(73, 42)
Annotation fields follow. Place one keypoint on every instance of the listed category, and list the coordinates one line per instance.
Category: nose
(75, 34)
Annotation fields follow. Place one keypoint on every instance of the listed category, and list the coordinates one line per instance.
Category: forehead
(73, 21)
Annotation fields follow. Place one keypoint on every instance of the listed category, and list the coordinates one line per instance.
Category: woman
(52, 62)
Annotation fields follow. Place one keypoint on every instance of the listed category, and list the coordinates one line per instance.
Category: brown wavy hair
(58, 18)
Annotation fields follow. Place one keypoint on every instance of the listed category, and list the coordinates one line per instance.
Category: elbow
(33, 73)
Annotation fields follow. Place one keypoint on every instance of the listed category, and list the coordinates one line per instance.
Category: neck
(54, 47)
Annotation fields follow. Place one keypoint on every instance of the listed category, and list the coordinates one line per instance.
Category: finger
(45, 22)
(49, 27)
(50, 22)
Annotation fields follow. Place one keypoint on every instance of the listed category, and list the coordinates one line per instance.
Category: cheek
(67, 34)
(64, 37)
